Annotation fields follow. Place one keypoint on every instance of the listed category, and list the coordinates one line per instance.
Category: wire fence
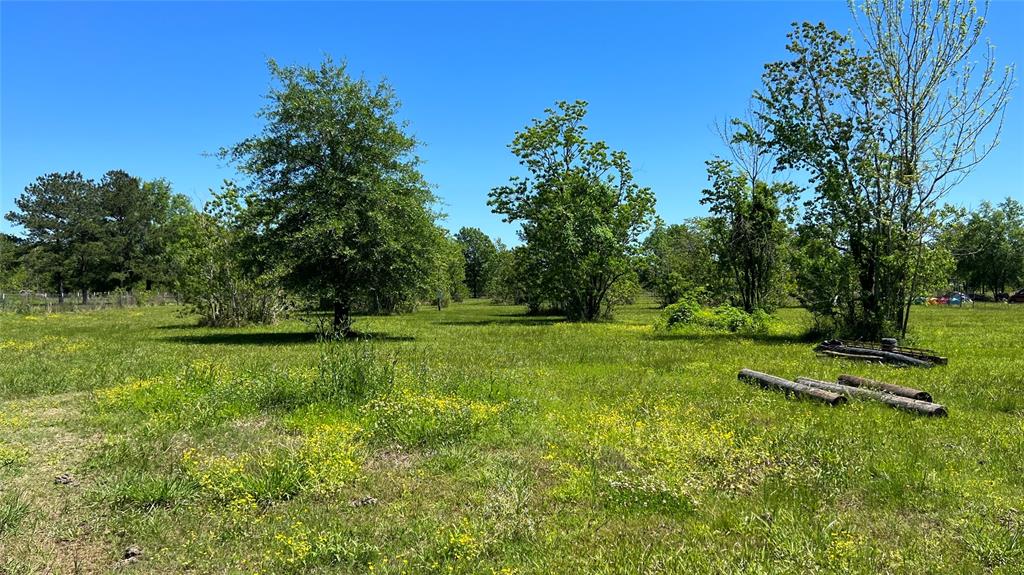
(41, 302)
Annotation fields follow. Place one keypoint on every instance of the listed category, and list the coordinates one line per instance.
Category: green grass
(481, 440)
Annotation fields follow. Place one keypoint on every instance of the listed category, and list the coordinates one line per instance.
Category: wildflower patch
(12, 456)
(653, 455)
(414, 418)
(326, 460)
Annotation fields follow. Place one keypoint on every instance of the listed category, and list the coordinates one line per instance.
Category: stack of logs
(886, 352)
(848, 386)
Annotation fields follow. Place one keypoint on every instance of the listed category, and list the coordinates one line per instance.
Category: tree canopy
(335, 198)
(582, 214)
(988, 245)
(884, 133)
(480, 255)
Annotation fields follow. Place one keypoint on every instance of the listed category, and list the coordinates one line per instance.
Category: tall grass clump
(13, 508)
(349, 373)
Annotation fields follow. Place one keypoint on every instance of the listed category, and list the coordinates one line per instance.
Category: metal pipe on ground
(771, 381)
(856, 356)
(915, 405)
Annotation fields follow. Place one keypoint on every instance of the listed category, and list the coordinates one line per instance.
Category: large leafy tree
(884, 134)
(480, 255)
(582, 214)
(748, 231)
(988, 245)
(448, 281)
(335, 198)
(678, 258)
(11, 271)
(137, 219)
(87, 236)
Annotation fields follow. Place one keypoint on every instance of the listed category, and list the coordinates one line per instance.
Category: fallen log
(854, 381)
(771, 381)
(858, 356)
(917, 406)
(886, 356)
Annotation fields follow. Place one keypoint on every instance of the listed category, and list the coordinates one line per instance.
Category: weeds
(13, 509)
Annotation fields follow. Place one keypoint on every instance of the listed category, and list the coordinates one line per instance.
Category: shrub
(213, 281)
(725, 317)
(688, 312)
(683, 311)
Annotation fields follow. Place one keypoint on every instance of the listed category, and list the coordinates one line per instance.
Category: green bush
(688, 312)
(683, 311)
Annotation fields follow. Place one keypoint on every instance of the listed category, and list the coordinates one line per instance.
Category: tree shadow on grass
(724, 336)
(177, 326)
(509, 320)
(276, 338)
(538, 318)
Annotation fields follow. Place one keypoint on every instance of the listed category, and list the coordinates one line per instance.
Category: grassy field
(480, 440)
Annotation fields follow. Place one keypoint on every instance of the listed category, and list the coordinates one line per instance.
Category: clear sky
(151, 87)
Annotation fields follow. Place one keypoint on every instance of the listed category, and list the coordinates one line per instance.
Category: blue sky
(151, 87)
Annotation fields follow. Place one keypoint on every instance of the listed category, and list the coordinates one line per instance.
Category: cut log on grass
(771, 381)
(854, 381)
(917, 406)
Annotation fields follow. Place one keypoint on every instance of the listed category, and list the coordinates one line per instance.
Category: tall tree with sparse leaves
(884, 132)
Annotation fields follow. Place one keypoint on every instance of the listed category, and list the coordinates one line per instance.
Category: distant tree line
(83, 236)
(332, 212)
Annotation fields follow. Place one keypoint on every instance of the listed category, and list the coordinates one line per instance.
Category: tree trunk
(342, 323)
(886, 356)
(60, 291)
(85, 296)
